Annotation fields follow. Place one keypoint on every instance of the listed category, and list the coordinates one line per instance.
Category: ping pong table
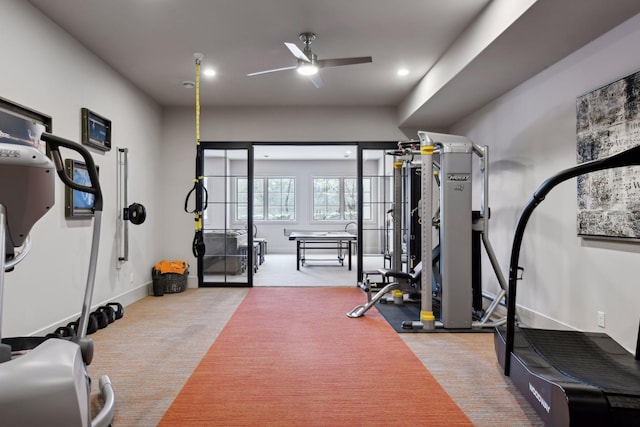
(341, 241)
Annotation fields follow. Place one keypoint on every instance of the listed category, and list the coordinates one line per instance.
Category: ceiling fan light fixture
(308, 69)
(308, 63)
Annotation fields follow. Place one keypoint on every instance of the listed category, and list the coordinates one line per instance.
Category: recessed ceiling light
(403, 72)
(209, 72)
(188, 84)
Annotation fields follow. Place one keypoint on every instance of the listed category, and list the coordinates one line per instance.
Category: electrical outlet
(131, 280)
(601, 319)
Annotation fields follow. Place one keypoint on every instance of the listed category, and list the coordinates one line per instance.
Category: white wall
(531, 132)
(45, 69)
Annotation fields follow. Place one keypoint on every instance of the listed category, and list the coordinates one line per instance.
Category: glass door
(230, 255)
(375, 203)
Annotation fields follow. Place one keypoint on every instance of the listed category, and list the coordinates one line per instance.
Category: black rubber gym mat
(395, 314)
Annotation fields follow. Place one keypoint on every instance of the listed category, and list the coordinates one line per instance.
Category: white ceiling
(152, 42)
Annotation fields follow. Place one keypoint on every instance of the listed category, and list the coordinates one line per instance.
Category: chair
(262, 245)
(352, 228)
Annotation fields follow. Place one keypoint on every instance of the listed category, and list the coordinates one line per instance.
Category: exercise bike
(44, 380)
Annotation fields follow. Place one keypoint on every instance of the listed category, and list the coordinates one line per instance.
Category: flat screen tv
(78, 203)
(96, 130)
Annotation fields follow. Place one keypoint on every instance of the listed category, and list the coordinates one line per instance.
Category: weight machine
(449, 271)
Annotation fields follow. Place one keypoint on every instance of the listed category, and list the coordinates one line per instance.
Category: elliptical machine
(44, 380)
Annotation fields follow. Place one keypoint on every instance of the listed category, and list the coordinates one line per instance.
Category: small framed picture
(96, 130)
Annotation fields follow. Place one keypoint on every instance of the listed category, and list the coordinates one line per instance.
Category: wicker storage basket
(168, 283)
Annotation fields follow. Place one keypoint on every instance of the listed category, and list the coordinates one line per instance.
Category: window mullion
(343, 205)
(265, 199)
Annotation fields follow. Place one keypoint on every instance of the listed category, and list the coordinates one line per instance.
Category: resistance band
(197, 247)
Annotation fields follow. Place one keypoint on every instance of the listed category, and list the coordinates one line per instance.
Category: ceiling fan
(308, 62)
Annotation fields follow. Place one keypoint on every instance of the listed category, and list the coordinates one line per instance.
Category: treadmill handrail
(629, 157)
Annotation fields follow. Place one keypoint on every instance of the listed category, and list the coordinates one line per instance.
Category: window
(336, 199)
(275, 196)
(326, 199)
(281, 199)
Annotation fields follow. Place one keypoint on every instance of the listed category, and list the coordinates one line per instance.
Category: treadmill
(570, 378)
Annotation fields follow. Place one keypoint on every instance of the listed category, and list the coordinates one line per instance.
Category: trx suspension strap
(198, 188)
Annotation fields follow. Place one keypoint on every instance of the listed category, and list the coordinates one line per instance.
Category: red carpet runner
(291, 357)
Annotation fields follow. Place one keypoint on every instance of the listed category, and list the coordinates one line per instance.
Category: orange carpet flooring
(290, 357)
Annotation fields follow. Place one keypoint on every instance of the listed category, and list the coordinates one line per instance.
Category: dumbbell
(109, 312)
(101, 317)
(117, 308)
(92, 325)
(65, 332)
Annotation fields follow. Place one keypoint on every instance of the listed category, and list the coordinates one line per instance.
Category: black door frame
(228, 146)
(362, 146)
(249, 146)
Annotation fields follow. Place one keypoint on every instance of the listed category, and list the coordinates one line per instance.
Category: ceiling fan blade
(297, 52)
(335, 62)
(271, 71)
(317, 80)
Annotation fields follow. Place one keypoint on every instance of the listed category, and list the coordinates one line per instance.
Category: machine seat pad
(397, 274)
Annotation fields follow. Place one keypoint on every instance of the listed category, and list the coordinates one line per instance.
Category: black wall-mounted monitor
(96, 130)
(78, 203)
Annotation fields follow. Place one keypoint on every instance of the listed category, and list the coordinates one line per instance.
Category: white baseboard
(192, 282)
(125, 298)
(538, 320)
